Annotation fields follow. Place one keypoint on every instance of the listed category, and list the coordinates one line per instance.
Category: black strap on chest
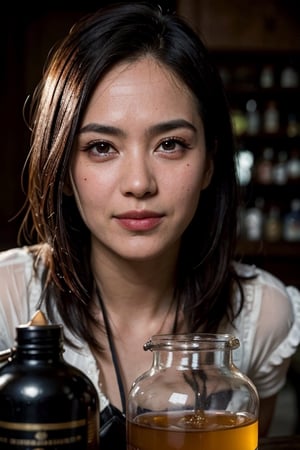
(113, 352)
(113, 349)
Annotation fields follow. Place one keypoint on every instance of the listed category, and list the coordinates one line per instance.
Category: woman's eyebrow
(100, 128)
(171, 125)
(161, 127)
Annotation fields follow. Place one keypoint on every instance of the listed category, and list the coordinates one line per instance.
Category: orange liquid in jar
(190, 431)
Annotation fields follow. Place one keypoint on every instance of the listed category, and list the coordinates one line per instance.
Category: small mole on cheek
(85, 179)
(188, 165)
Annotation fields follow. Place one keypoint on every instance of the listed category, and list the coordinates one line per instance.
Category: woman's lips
(139, 220)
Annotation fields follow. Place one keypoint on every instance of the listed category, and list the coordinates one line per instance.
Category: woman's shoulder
(18, 267)
(268, 300)
(25, 256)
(14, 276)
(21, 270)
(268, 326)
(20, 290)
(272, 304)
(16, 256)
(256, 276)
(265, 291)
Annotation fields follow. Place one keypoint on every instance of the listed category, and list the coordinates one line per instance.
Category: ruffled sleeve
(268, 328)
(289, 345)
(275, 335)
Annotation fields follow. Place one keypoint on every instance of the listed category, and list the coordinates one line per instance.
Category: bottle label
(67, 435)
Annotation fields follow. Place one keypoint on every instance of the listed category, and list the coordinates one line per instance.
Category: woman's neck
(134, 286)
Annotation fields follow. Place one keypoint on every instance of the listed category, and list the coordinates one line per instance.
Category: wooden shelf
(241, 72)
(281, 249)
(282, 259)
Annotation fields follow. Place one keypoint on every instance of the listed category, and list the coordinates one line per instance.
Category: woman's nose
(138, 177)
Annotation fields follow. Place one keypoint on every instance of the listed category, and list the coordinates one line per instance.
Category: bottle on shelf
(239, 121)
(253, 117)
(253, 221)
(293, 125)
(271, 119)
(289, 77)
(280, 175)
(293, 166)
(291, 222)
(244, 165)
(263, 172)
(273, 224)
(267, 78)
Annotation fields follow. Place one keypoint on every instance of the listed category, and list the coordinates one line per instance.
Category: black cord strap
(113, 351)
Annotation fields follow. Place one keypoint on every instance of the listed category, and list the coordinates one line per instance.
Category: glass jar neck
(193, 351)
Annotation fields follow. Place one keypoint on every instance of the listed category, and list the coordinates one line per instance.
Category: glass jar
(192, 397)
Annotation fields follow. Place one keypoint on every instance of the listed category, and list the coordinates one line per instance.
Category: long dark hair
(93, 46)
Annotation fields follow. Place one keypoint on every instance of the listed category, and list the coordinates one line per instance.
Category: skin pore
(138, 168)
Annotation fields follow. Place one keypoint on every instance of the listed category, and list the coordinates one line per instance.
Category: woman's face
(139, 161)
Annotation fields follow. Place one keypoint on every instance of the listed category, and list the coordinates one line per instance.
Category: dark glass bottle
(45, 403)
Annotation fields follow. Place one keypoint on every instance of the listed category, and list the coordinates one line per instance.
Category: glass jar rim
(192, 341)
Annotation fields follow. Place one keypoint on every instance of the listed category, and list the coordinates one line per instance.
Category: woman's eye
(99, 148)
(173, 144)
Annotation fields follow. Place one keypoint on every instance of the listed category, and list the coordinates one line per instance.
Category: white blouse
(268, 326)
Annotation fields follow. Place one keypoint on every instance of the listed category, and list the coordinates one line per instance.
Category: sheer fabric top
(268, 326)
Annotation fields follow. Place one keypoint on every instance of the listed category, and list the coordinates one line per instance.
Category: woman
(132, 207)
